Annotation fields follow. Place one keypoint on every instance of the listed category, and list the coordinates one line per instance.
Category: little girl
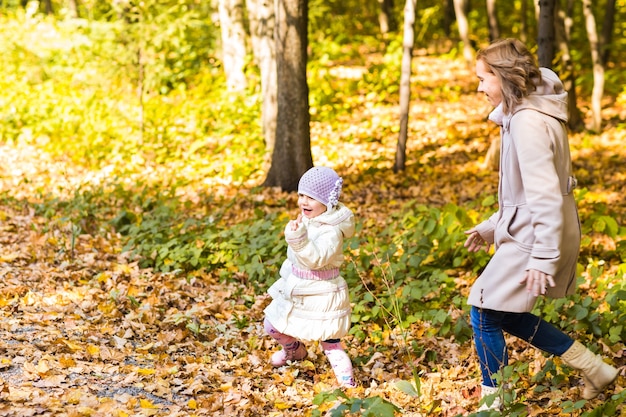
(310, 301)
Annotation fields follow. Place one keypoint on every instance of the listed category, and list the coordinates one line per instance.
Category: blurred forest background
(140, 229)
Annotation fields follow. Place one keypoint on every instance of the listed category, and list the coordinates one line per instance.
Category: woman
(536, 230)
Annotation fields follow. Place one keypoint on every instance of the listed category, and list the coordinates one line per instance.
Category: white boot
(494, 402)
(596, 373)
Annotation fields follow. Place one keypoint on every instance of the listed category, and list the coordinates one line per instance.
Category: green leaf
(407, 387)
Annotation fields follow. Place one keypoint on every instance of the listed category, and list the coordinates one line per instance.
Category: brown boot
(596, 373)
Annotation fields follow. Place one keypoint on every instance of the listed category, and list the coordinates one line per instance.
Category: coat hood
(340, 216)
(549, 98)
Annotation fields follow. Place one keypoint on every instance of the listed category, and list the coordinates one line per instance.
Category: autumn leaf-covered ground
(85, 331)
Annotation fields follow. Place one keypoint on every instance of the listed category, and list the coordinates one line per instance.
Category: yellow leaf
(29, 299)
(133, 291)
(192, 404)
(93, 350)
(106, 307)
(146, 347)
(143, 403)
(9, 257)
(42, 367)
(73, 346)
(144, 371)
(288, 379)
(121, 413)
(104, 276)
(4, 301)
(281, 405)
(67, 361)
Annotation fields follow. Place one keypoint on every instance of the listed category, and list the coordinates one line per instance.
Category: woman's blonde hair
(516, 68)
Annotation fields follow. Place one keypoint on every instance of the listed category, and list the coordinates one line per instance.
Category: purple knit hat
(323, 184)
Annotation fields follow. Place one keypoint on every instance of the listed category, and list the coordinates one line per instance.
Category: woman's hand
(537, 282)
(475, 242)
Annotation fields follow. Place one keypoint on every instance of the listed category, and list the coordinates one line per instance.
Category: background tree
(563, 25)
(598, 66)
(449, 17)
(606, 37)
(460, 8)
(405, 83)
(386, 17)
(262, 26)
(546, 38)
(492, 20)
(233, 43)
(523, 33)
(292, 151)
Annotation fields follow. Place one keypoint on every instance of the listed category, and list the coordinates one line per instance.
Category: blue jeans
(488, 327)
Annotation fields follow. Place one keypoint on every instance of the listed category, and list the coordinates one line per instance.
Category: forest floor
(84, 331)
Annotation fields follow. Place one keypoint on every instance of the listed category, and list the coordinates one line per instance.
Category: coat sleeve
(487, 229)
(319, 253)
(533, 137)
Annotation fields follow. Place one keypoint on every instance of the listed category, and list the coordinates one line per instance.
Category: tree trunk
(386, 17)
(48, 7)
(598, 66)
(261, 16)
(462, 23)
(292, 153)
(233, 43)
(545, 38)
(492, 19)
(607, 30)
(524, 21)
(74, 8)
(405, 83)
(448, 17)
(563, 25)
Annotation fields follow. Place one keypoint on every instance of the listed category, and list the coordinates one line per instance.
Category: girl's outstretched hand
(475, 242)
(294, 224)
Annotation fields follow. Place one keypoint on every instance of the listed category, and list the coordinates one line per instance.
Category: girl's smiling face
(310, 207)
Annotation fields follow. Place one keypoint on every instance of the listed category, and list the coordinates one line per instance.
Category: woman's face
(488, 83)
(310, 207)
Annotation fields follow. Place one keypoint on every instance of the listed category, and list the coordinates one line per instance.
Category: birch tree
(598, 66)
(233, 43)
(405, 83)
(262, 25)
(492, 19)
(460, 7)
(563, 25)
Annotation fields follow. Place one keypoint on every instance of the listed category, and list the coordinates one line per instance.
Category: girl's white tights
(340, 362)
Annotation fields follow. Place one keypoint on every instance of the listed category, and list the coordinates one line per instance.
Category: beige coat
(536, 225)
